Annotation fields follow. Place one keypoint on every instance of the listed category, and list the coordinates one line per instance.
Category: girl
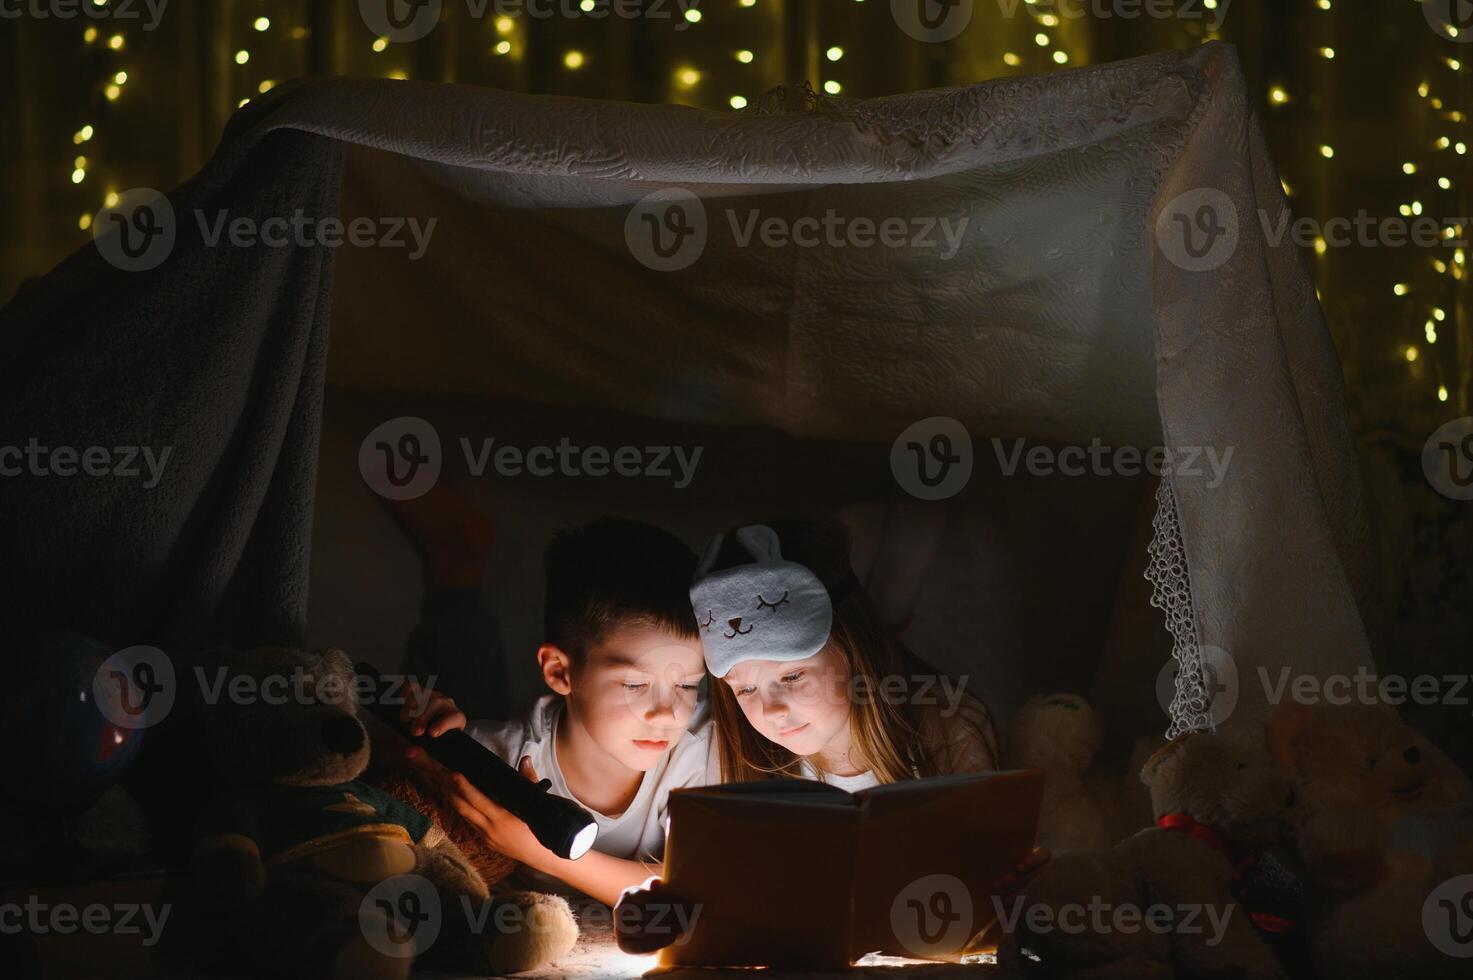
(859, 711)
(806, 682)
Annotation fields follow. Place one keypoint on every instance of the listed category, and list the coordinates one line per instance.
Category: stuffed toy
(1384, 820)
(1086, 806)
(308, 871)
(1170, 900)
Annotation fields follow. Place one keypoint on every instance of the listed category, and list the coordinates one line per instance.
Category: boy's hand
(430, 712)
(505, 831)
(648, 918)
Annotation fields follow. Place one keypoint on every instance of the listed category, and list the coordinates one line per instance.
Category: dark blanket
(216, 358)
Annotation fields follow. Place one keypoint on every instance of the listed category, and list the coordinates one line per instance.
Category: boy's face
(802, 705)
(635, 692)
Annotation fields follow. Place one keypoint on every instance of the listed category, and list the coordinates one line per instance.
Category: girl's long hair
(886, 735)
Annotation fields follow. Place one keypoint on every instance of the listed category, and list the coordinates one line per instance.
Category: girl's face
(802, 705)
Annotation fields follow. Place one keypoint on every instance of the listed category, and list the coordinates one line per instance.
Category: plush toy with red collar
(1194, 897)
(1385, 830)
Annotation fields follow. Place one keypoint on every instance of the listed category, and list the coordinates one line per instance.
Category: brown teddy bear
(311, 872)
(1086, 806)
(1385, 819)
(1165, 902)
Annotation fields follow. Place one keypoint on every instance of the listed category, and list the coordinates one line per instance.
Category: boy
(623, 657)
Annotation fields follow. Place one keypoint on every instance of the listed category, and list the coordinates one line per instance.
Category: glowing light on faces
(802, 705)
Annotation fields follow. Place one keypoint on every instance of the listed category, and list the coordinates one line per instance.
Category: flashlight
(562, 826)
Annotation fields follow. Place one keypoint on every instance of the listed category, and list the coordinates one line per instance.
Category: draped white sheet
(1060, 317)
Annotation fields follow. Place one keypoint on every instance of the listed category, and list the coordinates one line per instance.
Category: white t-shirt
(637, 834)
(849, 784)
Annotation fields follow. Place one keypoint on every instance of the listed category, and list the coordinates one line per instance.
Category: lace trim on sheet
(1171, 592)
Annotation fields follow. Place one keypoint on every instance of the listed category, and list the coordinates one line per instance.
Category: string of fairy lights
(1435, 174)
(109, 88)
(1432, 170)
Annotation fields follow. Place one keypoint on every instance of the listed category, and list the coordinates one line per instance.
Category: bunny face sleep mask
(770, 609)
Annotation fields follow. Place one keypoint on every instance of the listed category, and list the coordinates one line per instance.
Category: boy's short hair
(616, 573)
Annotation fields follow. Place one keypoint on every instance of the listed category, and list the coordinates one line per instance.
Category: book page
(770, 880)
(930, 851)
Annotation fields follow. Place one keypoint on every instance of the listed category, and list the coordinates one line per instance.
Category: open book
(799, 874)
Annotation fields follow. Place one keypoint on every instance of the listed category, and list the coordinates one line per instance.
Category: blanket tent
(1059, 320)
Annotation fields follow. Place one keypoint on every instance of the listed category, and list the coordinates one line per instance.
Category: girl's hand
(505, 831)
(648, 918)
(1016, 880)
(430, 712)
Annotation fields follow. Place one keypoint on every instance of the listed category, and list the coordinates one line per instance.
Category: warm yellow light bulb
(745, 56)
(1011, 59)
(1400, 289)
(1278, 95)
(693, 15)
(573, 60)
(78, 176)
(1408, 168)
(380, 45)
(84, 222)
(1328, 53)
(112, 92)
(1442, 393)
(111, 200)
(1041, 39)
(242, 56)
(504, 25)
(834, 53)
(1411, 354)
(502, 47)
(1327, 151)
(688, 76)
(265, 86)
(1060, 57)
(115, 42)
(832, 87)
(262, 24)
(738, 101)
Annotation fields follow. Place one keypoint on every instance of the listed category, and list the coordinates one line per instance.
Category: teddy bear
(1167, 901)
(1385, 819)
(308, 871)
(1086, 806)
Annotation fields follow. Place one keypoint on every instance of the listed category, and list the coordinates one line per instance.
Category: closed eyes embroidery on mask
(710, 618)
(764, 604)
